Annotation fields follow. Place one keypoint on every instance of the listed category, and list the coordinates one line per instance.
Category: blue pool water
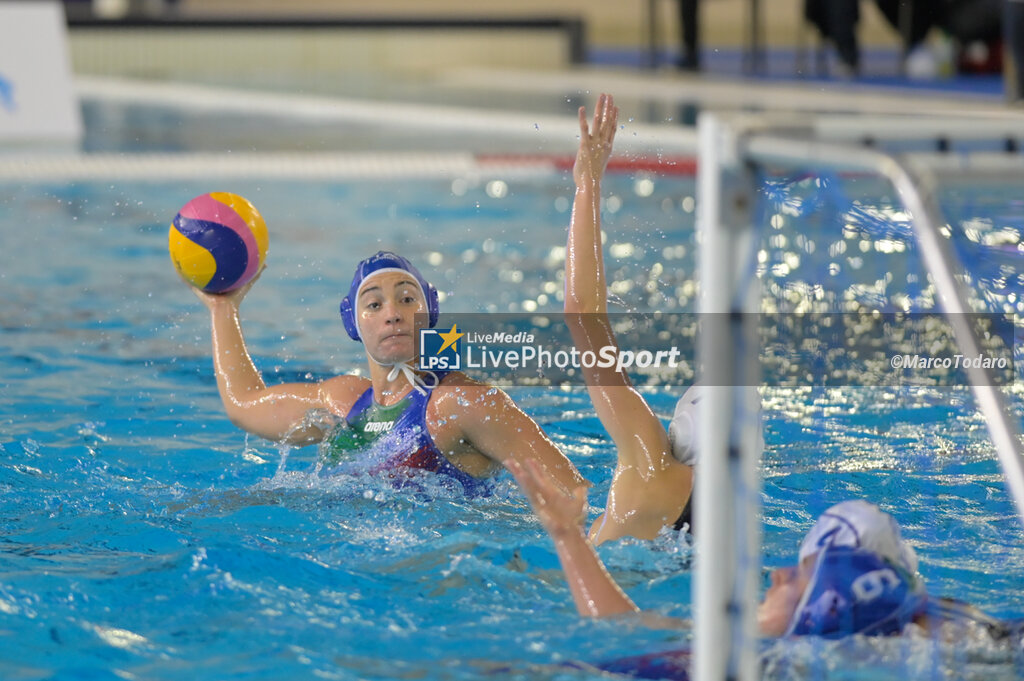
(145, 537)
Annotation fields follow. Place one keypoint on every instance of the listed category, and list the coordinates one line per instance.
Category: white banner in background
(37, 99)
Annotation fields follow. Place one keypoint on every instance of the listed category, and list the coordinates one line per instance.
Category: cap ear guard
(433, 306)
(682, 431)
(348, 318)
(683, 434)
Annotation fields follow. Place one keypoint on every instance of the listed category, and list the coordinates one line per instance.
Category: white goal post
(727, 504)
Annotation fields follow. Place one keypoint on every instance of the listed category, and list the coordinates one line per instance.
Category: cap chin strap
(407, 370)
(794, 620)
(410, 374)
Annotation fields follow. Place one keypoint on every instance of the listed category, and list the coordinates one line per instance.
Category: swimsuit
(686, 517)
(396, 437)
(673, 664)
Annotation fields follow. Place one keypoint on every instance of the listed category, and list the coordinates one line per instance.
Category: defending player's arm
(629, 420)
(584, 265)
(649, 489)
(593, 590)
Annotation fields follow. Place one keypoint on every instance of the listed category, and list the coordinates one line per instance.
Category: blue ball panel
(226, 246)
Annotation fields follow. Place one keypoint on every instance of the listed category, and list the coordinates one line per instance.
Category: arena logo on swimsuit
(378, 427)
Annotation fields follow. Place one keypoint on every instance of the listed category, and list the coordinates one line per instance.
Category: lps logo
(440, 351)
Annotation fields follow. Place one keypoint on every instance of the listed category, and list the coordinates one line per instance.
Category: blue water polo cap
(384, 261)
(855, 591)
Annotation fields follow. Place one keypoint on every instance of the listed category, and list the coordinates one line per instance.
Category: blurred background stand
(114, 10)
(754, 62)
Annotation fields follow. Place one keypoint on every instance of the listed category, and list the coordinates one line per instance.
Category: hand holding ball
(218, 242)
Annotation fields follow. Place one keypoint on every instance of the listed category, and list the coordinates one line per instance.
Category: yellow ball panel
(194, 263)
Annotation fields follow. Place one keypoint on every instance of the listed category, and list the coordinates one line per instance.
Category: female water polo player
(651, 487)
(442, 422)
(855, 575)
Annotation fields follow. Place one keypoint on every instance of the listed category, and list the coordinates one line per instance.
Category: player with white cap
(653, 480)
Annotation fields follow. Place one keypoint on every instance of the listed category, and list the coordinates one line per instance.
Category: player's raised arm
(275, 413)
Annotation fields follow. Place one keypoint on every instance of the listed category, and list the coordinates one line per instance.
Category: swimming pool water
(143, 536)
